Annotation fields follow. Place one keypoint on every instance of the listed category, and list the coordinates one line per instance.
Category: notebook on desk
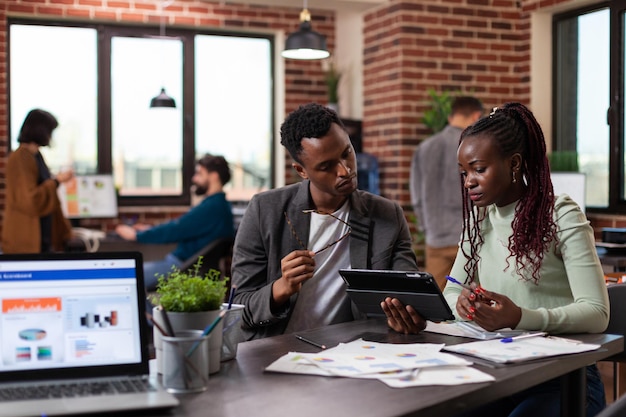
(73, 335)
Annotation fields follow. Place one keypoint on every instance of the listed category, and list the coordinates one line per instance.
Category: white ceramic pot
(190, 321)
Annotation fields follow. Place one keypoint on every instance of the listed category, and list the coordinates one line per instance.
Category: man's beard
(200, 189)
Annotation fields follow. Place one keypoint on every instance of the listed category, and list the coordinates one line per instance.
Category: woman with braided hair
(528, 256)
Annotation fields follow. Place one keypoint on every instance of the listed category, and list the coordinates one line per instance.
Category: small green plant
(332, 76)
(188, 291)
(563, 161)
(436, 117)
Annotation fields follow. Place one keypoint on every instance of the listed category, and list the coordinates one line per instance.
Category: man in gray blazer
(293, 240)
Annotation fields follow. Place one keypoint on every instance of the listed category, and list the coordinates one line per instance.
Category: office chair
(617, 325)
(616, 409)
(215, 255)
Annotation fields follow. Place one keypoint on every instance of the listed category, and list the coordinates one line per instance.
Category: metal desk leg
(574, 393)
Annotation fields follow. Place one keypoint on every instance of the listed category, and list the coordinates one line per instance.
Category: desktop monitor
(87, 196)
(571, 183)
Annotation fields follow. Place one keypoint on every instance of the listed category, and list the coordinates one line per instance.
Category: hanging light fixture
(162, 99)
(305, 43)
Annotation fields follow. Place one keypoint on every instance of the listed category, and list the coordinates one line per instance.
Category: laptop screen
(74, 311)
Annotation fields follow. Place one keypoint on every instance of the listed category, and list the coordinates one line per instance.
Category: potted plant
(191, 301)
(332, 76)
(436, 117)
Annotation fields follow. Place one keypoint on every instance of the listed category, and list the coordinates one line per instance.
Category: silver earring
(514, 179)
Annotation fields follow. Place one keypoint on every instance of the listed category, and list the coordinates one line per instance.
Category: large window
(63, 81)
(99, 86)
(589, 99)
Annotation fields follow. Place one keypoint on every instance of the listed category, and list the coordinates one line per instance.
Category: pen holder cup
(185, 362)
(232, 333)
(197, 321)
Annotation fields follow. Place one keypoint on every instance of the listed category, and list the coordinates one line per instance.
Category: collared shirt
(436, 188)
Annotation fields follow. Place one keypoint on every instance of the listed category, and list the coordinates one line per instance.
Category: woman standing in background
(33, 221)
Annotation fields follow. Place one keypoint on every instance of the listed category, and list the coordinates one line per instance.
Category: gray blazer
(380, 239)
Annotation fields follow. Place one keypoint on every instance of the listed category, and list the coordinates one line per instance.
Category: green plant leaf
(188, 291)
(563, 161)
(436, 117)
(332, 76)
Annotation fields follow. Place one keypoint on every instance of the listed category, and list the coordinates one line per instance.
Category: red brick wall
(477, 47)
(303, 79)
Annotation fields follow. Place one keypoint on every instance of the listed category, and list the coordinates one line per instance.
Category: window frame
(614, 114)
(105, 33)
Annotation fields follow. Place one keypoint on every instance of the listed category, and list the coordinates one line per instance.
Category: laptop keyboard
(69, 390)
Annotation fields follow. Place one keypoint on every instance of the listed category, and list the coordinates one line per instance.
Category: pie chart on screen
(32, 334)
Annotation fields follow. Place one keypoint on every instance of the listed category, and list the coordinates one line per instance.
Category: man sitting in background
(211, 219)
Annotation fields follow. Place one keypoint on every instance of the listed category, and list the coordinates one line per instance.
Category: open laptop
(71, 324)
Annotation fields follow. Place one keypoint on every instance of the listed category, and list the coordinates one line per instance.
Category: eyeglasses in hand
(333, 243)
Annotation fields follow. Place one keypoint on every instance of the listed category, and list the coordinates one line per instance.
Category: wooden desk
(151, 252)
(113, 243)
(615, 260)
(243, 388)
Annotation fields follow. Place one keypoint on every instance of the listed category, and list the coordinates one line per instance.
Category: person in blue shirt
(209, 220)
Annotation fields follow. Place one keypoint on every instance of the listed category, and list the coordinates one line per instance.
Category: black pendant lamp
(305, 44)
(162, 100)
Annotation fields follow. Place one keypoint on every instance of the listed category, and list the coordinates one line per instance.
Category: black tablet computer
(367, 288)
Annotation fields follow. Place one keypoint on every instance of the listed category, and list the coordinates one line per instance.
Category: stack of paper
(469, 329)
(397, 365)
(522, 350)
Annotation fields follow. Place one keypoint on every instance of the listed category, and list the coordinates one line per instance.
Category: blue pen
(449, 278)
(478, 290)
(230, 298)
(523, 336)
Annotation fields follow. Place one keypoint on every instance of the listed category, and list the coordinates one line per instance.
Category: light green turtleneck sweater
(571, 295)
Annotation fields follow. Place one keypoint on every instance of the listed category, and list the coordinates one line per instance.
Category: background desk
(150, 251)
(612, 261)
(113, 243)
(243, 388)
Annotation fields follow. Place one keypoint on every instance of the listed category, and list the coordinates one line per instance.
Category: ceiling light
(305, 43)
(162, 99)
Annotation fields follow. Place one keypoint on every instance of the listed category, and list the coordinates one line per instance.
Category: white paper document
(469, 329)
(449, 375)
(397, 365)
(521, 350)
(361, 357)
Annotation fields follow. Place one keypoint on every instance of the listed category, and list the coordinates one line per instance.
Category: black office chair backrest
(616, 409)
(617, 325)
(617, 321)
(215, 255)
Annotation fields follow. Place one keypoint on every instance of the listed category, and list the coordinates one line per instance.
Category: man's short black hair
(466, 105)
(37, 127)
(213, 163)
(310, 120)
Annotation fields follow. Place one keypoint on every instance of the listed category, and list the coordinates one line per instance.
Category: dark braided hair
(310, 120)
(514, 129)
